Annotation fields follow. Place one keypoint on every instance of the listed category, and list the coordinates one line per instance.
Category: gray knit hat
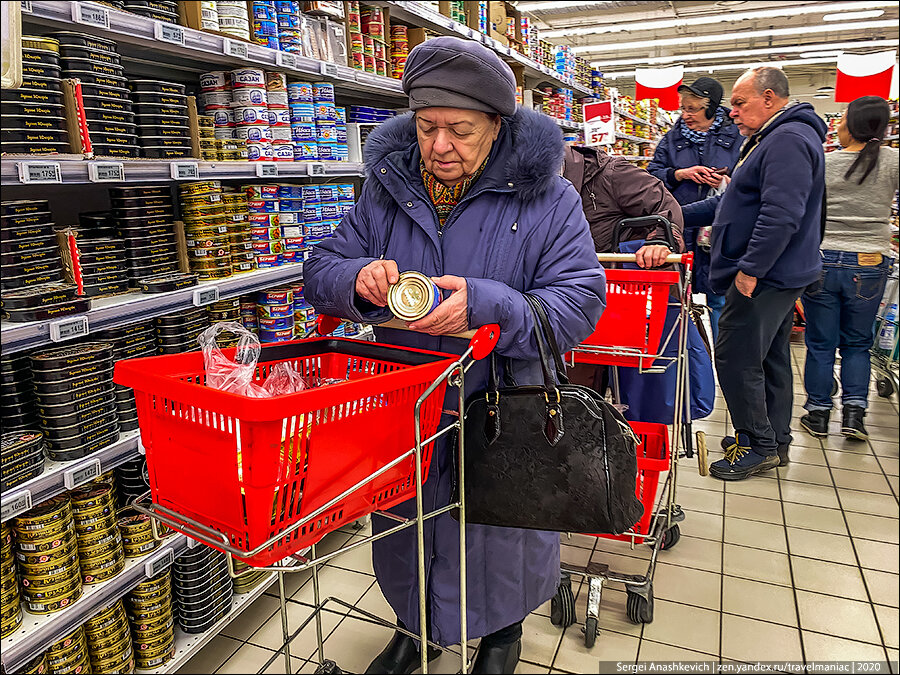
(449, 72)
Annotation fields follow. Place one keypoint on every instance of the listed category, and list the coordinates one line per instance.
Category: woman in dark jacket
(704, 138)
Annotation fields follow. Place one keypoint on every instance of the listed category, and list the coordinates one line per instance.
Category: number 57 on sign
(599, 123)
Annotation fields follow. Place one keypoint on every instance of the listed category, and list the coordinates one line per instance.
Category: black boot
(400, 656)
(783, 449)
(816, 422)
(497, 659)
(852, 425)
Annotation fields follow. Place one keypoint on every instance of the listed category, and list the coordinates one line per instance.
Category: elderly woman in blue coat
(466, 189)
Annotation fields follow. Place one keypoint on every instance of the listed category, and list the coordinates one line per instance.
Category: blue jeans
(840, 315)
(715, 304)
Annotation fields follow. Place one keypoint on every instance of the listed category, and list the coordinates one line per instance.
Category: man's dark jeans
(753, 363)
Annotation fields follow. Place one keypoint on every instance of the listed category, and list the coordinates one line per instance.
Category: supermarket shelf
(634, 158)
(418, 14)
(634, 118)
(38, 632)
(568, 124)
(186, 646)
(120, 310)
(892, 138)
(629, 137)
(75, 171)
(52, 481)
(136, 39)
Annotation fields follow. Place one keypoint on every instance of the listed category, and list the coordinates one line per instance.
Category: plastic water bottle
(888, 329)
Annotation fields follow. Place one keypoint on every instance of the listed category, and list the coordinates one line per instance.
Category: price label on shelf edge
(185, 171)
(205, 296)
(68, 328)
(161, 562)
(26, 8)
(329, 69)
(102, 172)
(168, 32)
(267, 170)
(39, 172)
(315, 169)
(286, 59)
(15, 504)
(235, 48)
(82, 474)
(90, 15)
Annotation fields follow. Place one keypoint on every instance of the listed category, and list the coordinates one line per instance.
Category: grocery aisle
(798, 565)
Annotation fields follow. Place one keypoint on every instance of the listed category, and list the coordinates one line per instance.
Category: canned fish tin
(295, 205)
(312, 212)
(248, 77)
(282, 335)
(290, 191)
(250, 114)
(306, 150)
(275, 296)
(263, 205)
(268, 260)
(259, 151)
(264, 11)
(281, 135)
(323, 91)
(293, 243)
(326, 151)
(303, 131)
(329, 193)
(276, 81)
(223, 117)
(275, 310)
(249, 96)
(279, 118)
(302, 112)
(254, 133)
(214, 81)
(324, 111)
(278, 100)
(413, 297)
(300, 92)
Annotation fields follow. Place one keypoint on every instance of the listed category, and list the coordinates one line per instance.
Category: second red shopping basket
(249, 468)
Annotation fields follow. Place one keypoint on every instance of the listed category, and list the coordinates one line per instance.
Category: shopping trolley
(887, 338)
(263, 480)
(630, 333)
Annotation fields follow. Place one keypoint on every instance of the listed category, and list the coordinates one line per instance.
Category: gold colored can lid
(413, 296)
(35, 42)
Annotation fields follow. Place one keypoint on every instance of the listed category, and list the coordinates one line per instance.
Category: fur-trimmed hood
(527, 154)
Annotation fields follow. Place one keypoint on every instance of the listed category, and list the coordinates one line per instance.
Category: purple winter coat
(519, 228)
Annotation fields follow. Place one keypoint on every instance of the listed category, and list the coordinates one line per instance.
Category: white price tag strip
(162, 561)
(68, 328)
(141, 449)
(235, 48)
(90, 15)
(315, 169)
(192, 543)
(26, 8)
(39, 172)
(267, 170)
(329, 69)
(185, 171)
(168, 32)
(286, 59)
(82, 474)
(101, 172)
(206, 296)
(15, 504)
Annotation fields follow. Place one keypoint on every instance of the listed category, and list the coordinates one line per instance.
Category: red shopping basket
(631, 326)
(652, 459)
(251, 467)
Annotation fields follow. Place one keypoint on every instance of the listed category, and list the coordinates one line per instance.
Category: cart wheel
(639, 608)
(591, 627)
(562, 606)
(884, 387)
(670, 538)
(702, 454)
(834, 386)
(329, 668)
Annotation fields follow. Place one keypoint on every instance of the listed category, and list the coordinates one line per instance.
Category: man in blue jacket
(765, 251)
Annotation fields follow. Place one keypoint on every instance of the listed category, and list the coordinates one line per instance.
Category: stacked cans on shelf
(215, 100)
(101, 266)
(276, 216)
(22, 457)
(208, 149)
(240, 240)
(10, 604)
(107, 105)
(232, 18)
(329, 143)
(109, 641)
(46, 552)
(206, 229)
(131, 481)
(275, 315)
(366, 38)
(324, 206)
(202, 589)
(177, 333)
(137, 533)
(129, 342)
(247, 578)
(304, 314)
(100, 552)
(302, 114)
(264, 24)
(158, 10)
(287, 17)
(224, 311)
(363, 114)
(209, 15)
(70, 654)
(34, 119)
(76, 399)
(279, 117)
(161, 114)
(399, 50)
(17, 403)
(151, 621)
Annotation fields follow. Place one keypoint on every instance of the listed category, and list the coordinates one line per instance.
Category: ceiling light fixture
(790, 49)
(729, 17)
(544, 6)
(821, 95)
(813, 55)
(825, 90)
(734, 66)
(735, 35)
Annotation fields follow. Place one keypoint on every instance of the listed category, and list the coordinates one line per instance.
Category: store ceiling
(725, 35)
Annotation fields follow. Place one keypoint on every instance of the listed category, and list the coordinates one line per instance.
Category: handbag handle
(542, 329)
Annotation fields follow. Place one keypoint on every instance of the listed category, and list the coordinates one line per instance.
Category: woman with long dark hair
(860, 181)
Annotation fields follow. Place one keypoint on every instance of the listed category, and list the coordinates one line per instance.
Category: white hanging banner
(599, 123)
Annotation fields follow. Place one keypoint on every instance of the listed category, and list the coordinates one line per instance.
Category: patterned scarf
(446, 198)
(698, 138)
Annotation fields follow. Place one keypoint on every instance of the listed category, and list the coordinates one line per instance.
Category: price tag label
(192, 543)
(168, 32)
(26, 7)
(471, 33)
(267, 170)
(40, 172)
(206, 296)
(235, 48)
(185, 171)
(103, 172)
(161, 562)
(68, 328)
(15, 504)
(140, 446)
(90, 15)
(315, 169)
(328, 69)
(82, 474)
(286, 59)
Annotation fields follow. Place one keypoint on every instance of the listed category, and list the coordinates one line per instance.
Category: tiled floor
(801, 564)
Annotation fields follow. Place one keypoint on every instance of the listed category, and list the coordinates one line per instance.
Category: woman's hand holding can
(452, 315)
(375, 279)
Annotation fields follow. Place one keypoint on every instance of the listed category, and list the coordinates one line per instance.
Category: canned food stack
(129, 342)
(154, 9)
(290, 37)
(22, 457)
(362, 114)
(233, 18)
(304, 314)
(355, 43)
(47, 556)
(69, 655)
(100, 552)
(290, 219)
(107, 106)
(265, 230)
(302, 114)
(209, 15)
(375, 49)
(102, 265)
(279, 117)
(215, 100)
(457, 11)
(76, 399)
(106, 632)
(33, 115)
(151, 621)
(399, 50)
(10, 606)
(208, 148)
(248, 579)
(264, 26)
(326, 120)
(177, 333)
(202, 589)
(28, 250)
(225, 311)
(275, 315)
(137, 533)
(248, 313)
(161, 114)
(144, 218)
(131, 481)
(341, 150)
(251, 113)
(36, 665)
(237, 218)
(17, 402)
(206, 229)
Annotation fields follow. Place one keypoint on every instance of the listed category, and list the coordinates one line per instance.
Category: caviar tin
(98, 54)
(57, 411)
(61, 386)
(144, 211)
(145, 347)
(144, 87)
(38, 96)
(98, 79)
(108, 432)
(19, 129)
(72, 39)
(47, 312)
(47, 512)
(151, 112)
(38, 296)
(83, 450)
(81, 64)
(26, 231)
(71, 357)
(32, 109)
(76, 394)
(63, 421)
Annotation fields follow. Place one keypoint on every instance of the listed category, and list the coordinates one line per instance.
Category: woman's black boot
(400, 656)
(497, 659)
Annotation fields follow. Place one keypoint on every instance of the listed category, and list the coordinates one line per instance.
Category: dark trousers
(753, 363)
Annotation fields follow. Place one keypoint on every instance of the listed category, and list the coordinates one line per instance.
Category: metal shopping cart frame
(884, 359)
(481, 344)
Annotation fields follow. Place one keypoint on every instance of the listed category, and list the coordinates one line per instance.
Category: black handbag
(555, 457)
